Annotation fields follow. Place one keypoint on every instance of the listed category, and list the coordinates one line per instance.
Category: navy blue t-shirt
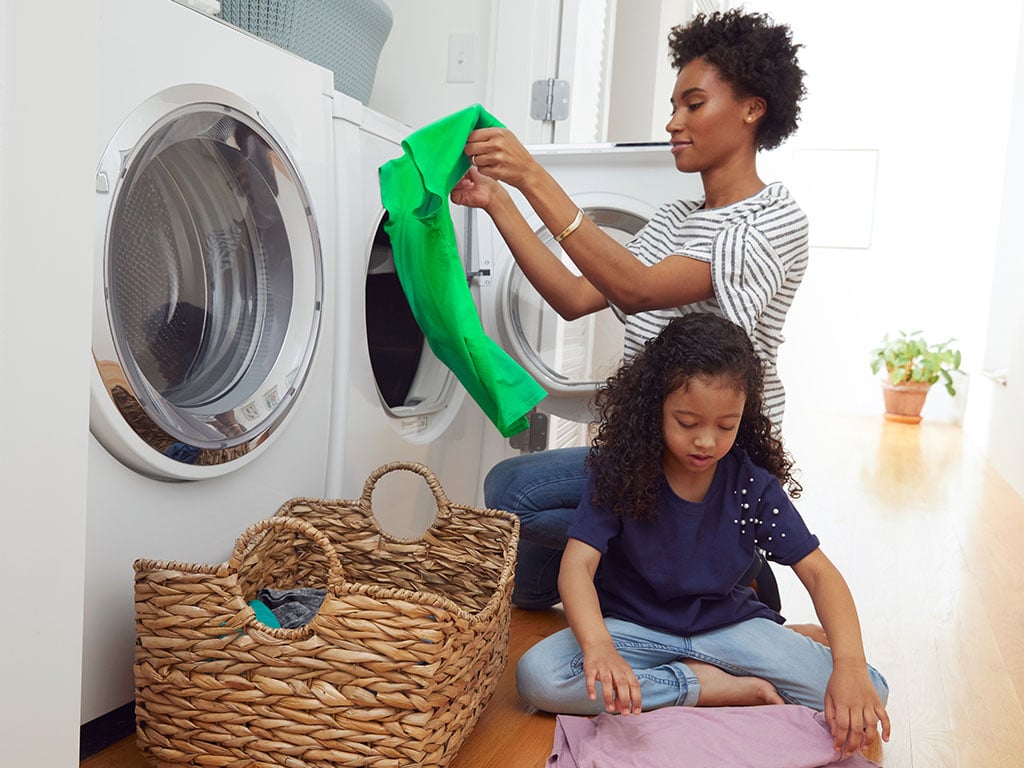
(679, 573)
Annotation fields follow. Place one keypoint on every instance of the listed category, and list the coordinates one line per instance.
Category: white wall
(47, 128)
(634, 77)
(931, 91)
(641, 67)
(412, 72)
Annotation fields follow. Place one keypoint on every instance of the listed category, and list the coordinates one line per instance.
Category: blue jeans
(543, 490)
(550, 674)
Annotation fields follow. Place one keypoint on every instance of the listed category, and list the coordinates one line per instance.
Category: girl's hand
(619, 686)
(853, 710)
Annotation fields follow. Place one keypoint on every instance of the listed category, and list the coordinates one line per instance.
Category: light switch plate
(461, 58)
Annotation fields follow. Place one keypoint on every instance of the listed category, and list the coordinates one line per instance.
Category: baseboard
(105, 730)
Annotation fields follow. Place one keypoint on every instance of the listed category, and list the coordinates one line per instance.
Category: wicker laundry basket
(394, 670)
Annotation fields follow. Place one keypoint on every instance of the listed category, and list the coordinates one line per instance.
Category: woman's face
(710, 126)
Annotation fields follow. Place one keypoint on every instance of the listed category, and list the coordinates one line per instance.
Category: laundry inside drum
(394, 338)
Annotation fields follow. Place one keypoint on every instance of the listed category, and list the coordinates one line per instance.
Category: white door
(552, 40)
(612, 56)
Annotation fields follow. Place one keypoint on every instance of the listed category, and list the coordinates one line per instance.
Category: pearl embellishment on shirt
(754, 520)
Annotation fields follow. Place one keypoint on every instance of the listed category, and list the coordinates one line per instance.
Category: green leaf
(909, 357)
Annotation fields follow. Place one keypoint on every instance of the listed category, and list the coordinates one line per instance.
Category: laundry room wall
(905, 269)
(435, 60)
(938, 122)
(47, 130)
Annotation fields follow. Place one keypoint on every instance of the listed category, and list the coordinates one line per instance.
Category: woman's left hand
(853, 710)
(498, 154)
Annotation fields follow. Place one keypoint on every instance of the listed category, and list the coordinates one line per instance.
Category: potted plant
(912, 365)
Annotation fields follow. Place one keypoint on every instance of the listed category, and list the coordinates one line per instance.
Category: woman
(740, 252)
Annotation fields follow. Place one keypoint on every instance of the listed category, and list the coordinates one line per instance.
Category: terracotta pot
(903, 402)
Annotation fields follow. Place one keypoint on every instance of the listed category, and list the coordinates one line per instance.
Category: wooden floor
(931, 541)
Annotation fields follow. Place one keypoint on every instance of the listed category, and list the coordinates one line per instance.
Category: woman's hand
(495, 154)
(474, 190)
(619, 686)
(498, 154)
(853, 710)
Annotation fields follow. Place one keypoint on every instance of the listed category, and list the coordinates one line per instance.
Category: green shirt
(414, 190)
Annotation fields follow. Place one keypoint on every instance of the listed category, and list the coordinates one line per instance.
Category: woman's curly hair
(756, 56)
(626, 457)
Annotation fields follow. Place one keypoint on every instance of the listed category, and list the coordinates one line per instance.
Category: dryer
(619, 186)
(213, 327)
(402, 402)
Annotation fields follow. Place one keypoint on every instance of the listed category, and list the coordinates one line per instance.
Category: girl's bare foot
(720, 689)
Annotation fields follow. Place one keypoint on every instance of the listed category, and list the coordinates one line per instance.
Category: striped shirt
(757, 249)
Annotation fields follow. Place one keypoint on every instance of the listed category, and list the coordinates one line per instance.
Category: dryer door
(619, 188)
(209, 286)
(417, 394)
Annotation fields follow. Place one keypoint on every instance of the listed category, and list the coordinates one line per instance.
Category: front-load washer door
(209, 286)
(619, 189)
(567, 357)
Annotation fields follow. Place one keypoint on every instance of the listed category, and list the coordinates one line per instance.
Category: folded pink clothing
(770, 736)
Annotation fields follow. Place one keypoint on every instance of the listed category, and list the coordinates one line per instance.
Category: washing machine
(213, 327)
(403, 404)
(619, 186)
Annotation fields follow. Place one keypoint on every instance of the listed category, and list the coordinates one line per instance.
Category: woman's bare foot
(812, 631)
(720, 689)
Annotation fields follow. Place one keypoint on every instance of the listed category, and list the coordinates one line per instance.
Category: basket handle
(444, 504)
(335, 573)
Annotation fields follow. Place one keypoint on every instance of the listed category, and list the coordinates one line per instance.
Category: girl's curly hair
(756, 56)
(626, 456)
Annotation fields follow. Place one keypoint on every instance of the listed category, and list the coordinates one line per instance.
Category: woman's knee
(496, 483)
(536, 480)
(509, 481)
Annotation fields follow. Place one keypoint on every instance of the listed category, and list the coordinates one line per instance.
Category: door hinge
(549, 99)
(535, 437)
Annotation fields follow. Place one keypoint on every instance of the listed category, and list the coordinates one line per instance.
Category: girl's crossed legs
(550, 674)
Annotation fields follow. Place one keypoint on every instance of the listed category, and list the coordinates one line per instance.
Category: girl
(687, 480)
(741, 252)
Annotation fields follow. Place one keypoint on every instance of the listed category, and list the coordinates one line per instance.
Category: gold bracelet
(572, 227)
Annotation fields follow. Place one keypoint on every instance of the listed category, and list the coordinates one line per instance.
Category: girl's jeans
(550, 674)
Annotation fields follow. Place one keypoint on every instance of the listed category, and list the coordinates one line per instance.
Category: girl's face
(710, 126)
(699, 422)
